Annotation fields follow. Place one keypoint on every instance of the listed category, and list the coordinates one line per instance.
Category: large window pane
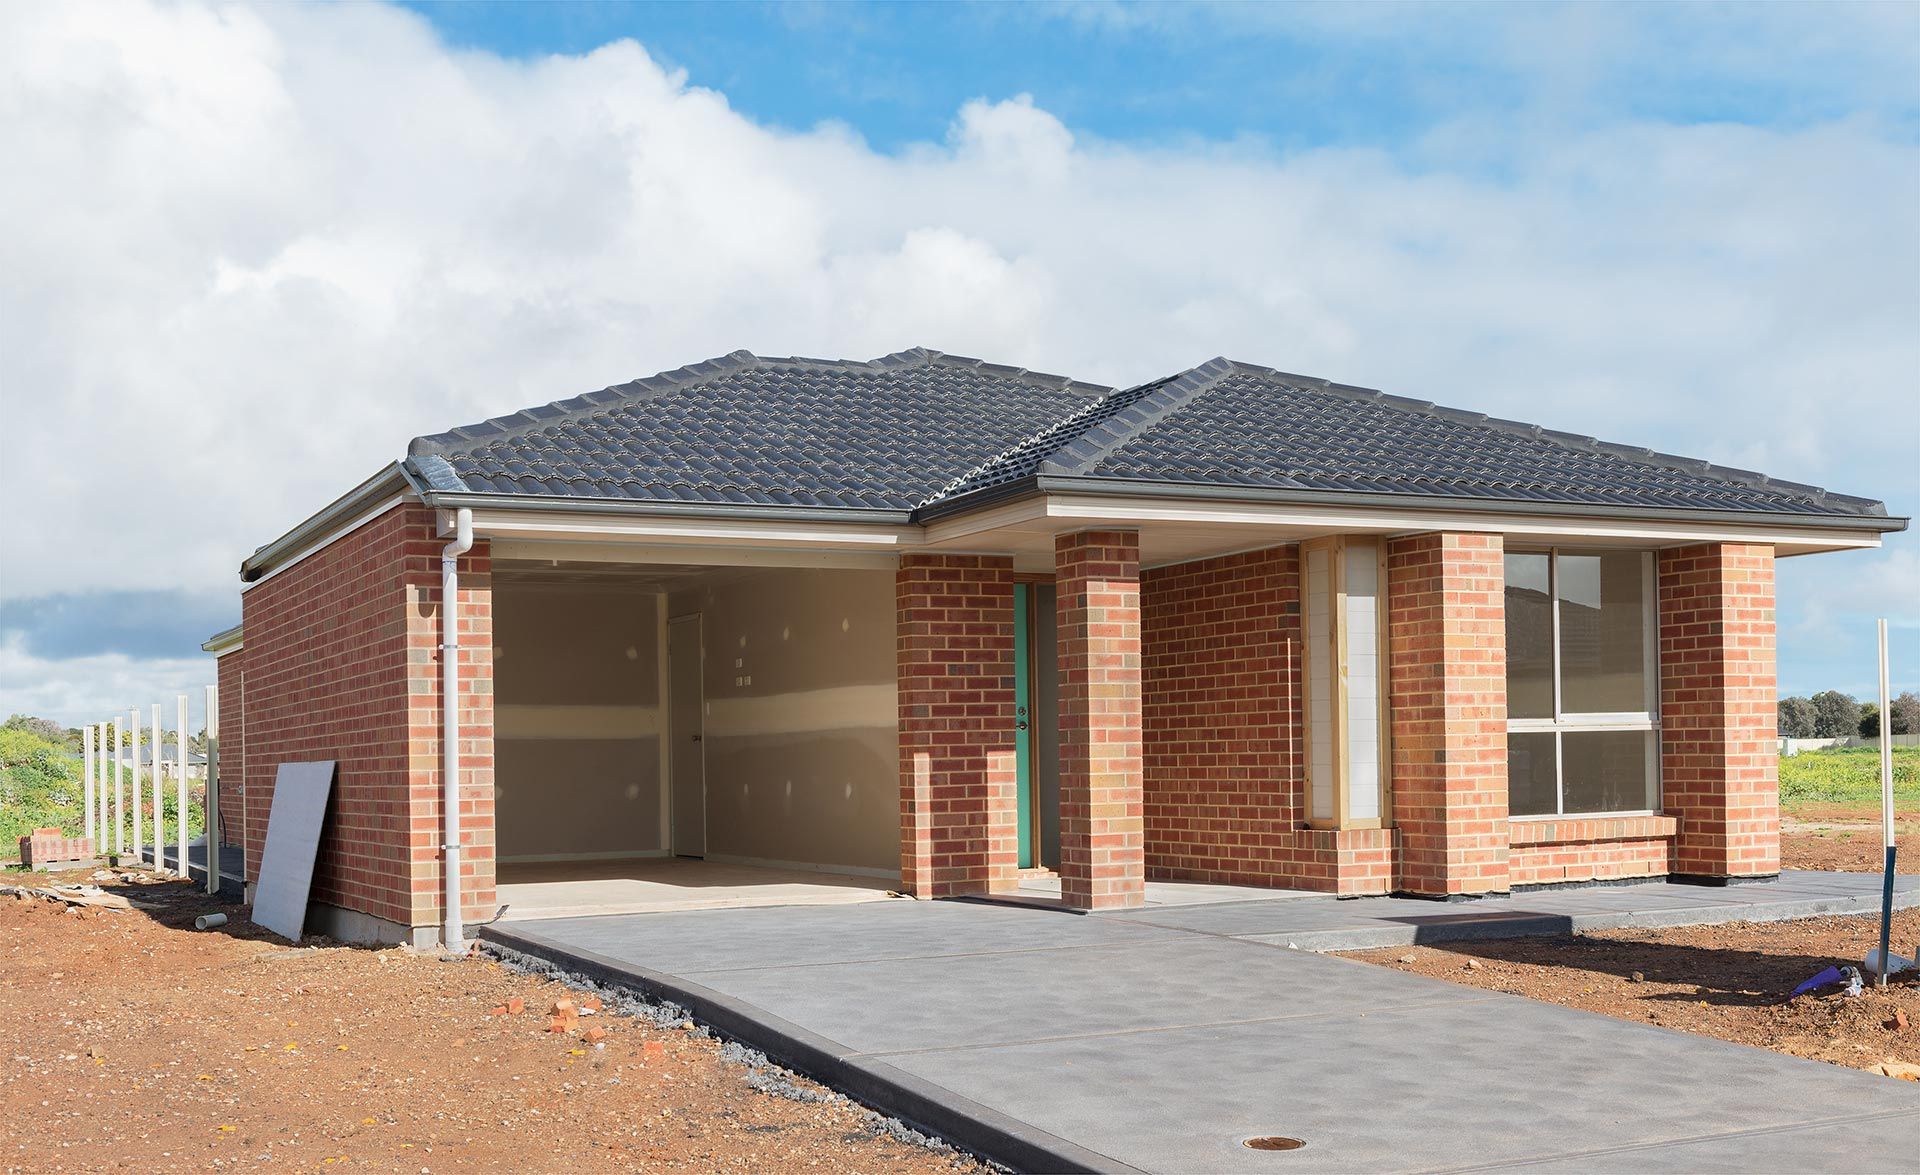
(1603, 636)
(1530, 775)
(1529, 638)
(1606, 770)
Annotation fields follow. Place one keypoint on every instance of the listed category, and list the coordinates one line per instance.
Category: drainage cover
(1273, 1142)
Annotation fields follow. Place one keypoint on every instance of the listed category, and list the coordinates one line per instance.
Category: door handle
(696, 738)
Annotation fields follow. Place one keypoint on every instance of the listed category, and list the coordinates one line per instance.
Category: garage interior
(678, 735)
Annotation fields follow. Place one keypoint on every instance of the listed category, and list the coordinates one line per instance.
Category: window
(1346, 705)
(1582, 731)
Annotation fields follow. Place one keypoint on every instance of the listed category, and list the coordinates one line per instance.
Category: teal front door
(1023, 717)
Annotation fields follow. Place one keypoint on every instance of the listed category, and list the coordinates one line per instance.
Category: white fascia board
(689, 531)
(688, 554)
(1106, 510)
(345, 528)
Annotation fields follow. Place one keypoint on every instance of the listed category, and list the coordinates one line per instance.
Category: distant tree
(1835, 715)
(45, 728)
(1796, 718)
(1869, 720)
(1906, 713)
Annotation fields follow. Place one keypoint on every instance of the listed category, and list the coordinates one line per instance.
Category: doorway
(686, 725)
(1036, 703)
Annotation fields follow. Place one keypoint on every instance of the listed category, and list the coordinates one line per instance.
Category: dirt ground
(138, 1043)
(1845, 838)
(1727, 981)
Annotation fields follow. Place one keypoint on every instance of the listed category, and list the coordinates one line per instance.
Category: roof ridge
(1575, 442)
(1159, 399)
(1022, 445)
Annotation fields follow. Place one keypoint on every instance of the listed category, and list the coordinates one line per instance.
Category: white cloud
(81, 690)
(296, 236)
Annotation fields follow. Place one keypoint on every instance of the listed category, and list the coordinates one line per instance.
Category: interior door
(686, 721)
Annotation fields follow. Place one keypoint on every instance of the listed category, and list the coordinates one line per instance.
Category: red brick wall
(1587, 849)
(958, 816)
(1448, 667)
(1102, 845)
(1717, 708)
(1224, 746)
(341, 663)
(231, 672)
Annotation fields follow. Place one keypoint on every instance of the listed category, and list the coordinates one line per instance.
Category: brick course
(1102, 845)
(1588, 849)
(958, 775)
(341, 661)
(50, 846)
(1224, 779)
(1717, 708)
(1446, 626)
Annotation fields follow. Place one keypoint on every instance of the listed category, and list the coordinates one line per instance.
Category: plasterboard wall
(801, 731)
(577, 720)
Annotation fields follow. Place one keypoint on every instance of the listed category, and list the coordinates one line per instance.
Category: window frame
(1561, 723)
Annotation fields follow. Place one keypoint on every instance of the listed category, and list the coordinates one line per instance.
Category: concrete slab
(1180, 893)
(646, 885)
(1059, 1042)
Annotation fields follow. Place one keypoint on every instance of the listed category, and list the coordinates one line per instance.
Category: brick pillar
(958, 819)
(1447, 649)
(1717, 709)
(478, 841)
(1102, 844)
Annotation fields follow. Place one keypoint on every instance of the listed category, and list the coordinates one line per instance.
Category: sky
(252, 250)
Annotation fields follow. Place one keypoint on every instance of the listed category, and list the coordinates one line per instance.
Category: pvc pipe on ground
(209, 921)
(452, 934)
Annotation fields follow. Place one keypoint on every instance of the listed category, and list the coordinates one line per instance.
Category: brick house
(954, 623)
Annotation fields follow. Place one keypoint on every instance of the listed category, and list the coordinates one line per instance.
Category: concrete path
(1160, 1039)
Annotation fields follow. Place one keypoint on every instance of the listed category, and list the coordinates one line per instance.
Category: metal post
(158, 755)
(180, 788)
(86, 780)
(133, 761)
(1886, 807)
(213, 789)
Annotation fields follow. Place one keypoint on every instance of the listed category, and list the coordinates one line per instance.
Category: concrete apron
(897, 1094)
(1159, 1038)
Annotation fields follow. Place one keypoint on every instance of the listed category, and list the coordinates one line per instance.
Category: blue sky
(302, 234)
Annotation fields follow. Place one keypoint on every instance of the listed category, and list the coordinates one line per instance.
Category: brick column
(1447, 649)
(478, 840)
(1102, 844)
(958, 820)
(1717, 709)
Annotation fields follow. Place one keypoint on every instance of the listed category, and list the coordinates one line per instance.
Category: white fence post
(180, 788)
(133, 760)
(213, 790)
(158, 756)
(119, 797)
(109, 760)
(86, 780)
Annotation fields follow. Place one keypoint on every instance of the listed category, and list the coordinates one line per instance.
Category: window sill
(1539, 830)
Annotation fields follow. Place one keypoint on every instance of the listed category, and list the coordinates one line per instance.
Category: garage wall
(801, 725)
(577, 720)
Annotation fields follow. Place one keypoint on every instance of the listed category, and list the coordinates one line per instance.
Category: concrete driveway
(1109, 1042)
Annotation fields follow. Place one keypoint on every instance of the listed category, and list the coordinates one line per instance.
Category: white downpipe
(452, 934)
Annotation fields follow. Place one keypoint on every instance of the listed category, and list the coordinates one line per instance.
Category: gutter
(224, 641)
(1037, 485)
(448, 500)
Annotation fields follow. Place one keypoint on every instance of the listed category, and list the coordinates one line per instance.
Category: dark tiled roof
(921, 428)
(1237, 425)
(743, 430)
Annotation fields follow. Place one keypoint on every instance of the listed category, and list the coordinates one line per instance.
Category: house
(952, 623)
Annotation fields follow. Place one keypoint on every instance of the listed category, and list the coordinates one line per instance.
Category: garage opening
(679, 736)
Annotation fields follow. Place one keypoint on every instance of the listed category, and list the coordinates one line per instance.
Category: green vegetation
(40, 787)
(1848, 776)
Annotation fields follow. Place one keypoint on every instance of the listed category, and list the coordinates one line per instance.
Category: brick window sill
(1577, 830)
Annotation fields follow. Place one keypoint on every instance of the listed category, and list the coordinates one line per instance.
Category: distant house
(954, 623)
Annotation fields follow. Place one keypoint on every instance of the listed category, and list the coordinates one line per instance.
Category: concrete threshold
(880, 1086)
